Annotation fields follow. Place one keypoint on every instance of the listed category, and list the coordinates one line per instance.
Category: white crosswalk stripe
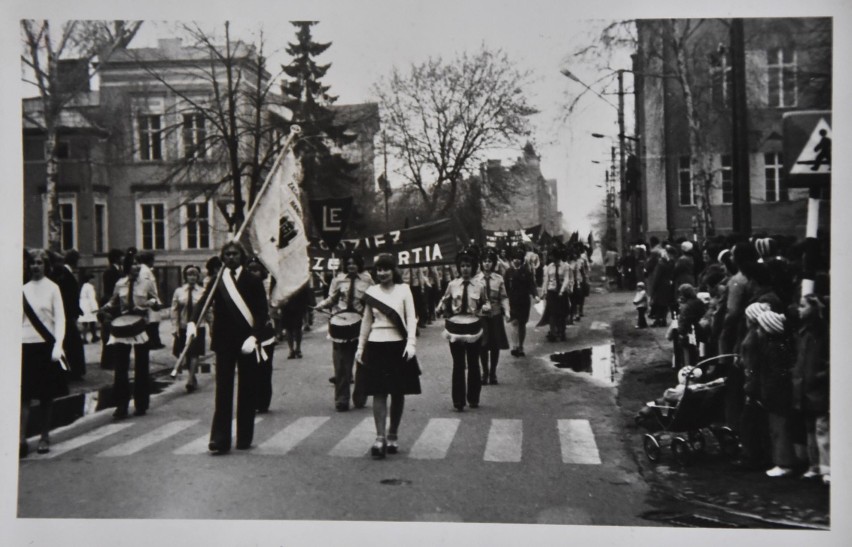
(357, 442)
(435, 440)
(199, 445)
(285, 440)
(144, 441)
(83, 440)
(599, 325)
(505, 441)
(577, 441)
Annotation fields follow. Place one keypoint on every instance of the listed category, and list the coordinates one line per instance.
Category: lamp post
(621, 228)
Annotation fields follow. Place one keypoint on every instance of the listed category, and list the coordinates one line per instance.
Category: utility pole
(741, 207)
(622, 232)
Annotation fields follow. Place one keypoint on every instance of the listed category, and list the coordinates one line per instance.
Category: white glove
(359, 354)
(56, 352)
(191, 330)
(249, 345)
(409, 352)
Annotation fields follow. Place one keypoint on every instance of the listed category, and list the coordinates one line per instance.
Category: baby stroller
(683, 424)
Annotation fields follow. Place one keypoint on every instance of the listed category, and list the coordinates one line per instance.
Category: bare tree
(45, 49)
(442, 116)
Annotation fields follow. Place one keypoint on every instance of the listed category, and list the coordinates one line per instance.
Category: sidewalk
(711, 482)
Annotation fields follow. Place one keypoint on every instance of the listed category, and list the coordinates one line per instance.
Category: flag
(277, 233)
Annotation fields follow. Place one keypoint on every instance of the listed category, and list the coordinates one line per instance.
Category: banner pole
(294, 131)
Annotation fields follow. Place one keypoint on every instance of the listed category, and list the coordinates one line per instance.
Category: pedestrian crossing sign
(807, 148)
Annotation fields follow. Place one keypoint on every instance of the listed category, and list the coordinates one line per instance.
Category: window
(686, 186)
(153, 226)
(100, 227)
(773, 167)
(194, 136)
(67, 222)
(781, 64)
(727, 180)
(722, 77)
(197, 225)
(150, 137)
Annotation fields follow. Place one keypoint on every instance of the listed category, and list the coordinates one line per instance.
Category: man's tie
(464, 308)
(350, 298)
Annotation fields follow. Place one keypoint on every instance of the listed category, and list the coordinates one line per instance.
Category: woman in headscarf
(386, 350)
(43, 325)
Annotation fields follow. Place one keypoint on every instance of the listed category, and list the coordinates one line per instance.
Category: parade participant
(88, 307)
(110, 277)
(267, 342)
(184, 301)
(240, 311)
(555, 283)
(493, 330)
(386, 352)
(292, 318)
(146, 263)
(520, 286)
(571, 288)
(347, 295)
(43, 326)
(581, 282)
(65, 278)
(131, 299)
(464, 298)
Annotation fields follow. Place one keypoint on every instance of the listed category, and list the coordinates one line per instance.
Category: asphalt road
(546, 446)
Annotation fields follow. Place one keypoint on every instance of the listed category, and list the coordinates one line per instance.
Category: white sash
(237, 298)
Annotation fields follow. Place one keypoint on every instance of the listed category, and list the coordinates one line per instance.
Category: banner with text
(423, 245)
(511, 238)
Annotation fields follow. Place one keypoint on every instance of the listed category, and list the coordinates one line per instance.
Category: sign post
(807, 164)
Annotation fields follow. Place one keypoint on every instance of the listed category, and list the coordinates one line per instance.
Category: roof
(171, 50)
(73, 116)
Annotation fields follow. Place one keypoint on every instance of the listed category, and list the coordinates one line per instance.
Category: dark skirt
(519, 308)
(494, 333)
(197, 348)
(386, 372)
(41, 378)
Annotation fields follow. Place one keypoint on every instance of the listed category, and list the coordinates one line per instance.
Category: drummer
(131, 299)
(493, 329)
(346, 293)
(464, 297)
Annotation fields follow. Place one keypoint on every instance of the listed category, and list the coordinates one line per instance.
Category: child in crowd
(640, 301)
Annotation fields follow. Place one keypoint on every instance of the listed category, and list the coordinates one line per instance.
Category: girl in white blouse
(41, 375)
(386, 351)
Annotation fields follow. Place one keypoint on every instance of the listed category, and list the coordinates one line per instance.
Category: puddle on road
(597, 361)
(395, 482)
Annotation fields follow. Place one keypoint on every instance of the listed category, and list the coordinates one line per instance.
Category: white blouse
(46, 300)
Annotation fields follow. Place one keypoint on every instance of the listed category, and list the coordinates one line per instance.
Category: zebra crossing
(431, 441)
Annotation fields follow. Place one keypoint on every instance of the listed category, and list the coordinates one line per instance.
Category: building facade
(788, 68)
(139, 164)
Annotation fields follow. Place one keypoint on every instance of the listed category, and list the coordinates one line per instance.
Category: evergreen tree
(326, 173)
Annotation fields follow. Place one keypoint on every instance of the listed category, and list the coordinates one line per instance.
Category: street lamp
(621, 137)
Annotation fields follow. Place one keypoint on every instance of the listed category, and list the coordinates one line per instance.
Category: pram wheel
(681, 450)
(652, 448)
(696, 441)
(728, 442)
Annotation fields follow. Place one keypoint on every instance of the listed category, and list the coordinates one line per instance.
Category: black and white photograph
(441, 273)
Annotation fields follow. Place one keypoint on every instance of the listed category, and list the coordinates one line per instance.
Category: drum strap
(40, 327)
(391, 313)
(233, 298)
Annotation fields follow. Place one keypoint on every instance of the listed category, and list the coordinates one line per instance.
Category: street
(546, 446)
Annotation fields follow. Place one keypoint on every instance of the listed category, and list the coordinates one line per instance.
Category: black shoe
(291, 355)
(379, 449)
(514, 352)
(521, 353)
(191, 387)
(474, 405)
(484, 381)
(243, 446)
(332, 380)
(458, 408)
(119, 414)
(298, 354)
(550, 337)
(217, 450)
(493, 379)
(140, 412)
(341, 408)
(393, 445)
(43, 446)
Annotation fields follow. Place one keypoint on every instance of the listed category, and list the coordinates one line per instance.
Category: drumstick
(320, 310)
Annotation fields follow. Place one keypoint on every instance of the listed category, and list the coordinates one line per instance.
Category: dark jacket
(230, 328)
(683, 271)
(69, 288)
(520, 286)
(661, 291)
(811, 371)
(110, 277)
(767, 365)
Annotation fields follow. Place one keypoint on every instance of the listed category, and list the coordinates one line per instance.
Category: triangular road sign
(815, 157)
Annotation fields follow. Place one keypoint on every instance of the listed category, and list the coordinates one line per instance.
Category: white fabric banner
(277, 233)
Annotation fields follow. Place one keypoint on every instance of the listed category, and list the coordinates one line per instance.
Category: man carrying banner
(347, 295)
(240, 311)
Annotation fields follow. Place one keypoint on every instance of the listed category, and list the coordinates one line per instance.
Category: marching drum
(129, 325)
(463, 328)
(344, 326)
